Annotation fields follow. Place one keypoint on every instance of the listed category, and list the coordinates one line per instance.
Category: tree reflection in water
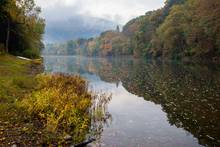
(188, 93)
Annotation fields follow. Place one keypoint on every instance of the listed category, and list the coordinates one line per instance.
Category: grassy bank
(16, 80)
(41, 109)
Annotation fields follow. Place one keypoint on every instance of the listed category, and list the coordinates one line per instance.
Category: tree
(22, 27)
(117, 28)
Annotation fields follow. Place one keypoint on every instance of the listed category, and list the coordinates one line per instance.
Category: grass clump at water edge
(63, 105)
(43, 109)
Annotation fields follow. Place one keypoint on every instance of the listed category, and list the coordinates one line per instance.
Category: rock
(14, 145)
(67, 138)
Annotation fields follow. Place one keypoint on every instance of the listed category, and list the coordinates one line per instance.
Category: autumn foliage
(64, 105)
(182, 29)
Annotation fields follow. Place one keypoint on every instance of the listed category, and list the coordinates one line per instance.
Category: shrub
(31, 53)
(63, 105)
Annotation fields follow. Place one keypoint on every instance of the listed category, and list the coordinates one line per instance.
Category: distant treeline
(21, 28)
(181, 29)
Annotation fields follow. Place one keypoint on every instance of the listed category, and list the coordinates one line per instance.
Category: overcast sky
(119, 11)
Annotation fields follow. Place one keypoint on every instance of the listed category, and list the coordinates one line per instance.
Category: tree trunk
(7, 37)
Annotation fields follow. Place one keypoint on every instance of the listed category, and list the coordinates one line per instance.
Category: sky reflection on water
(150, 104)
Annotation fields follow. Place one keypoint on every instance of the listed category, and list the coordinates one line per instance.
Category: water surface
(153, 104)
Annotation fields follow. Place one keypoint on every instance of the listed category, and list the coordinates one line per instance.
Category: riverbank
(16, 80)
(46, 109)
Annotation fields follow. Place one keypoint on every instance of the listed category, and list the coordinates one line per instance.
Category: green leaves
(25, 29)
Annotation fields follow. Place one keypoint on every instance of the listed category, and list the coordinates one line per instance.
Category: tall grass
(64, 105)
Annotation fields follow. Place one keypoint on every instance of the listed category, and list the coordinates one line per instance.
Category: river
(154, 104)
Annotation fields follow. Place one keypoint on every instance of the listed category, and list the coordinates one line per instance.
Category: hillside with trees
(182, 29)
(109, 43)
(21, 28)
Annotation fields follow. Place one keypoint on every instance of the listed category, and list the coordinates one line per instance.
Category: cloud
(69, 19)
(119, 11)
(78, 26)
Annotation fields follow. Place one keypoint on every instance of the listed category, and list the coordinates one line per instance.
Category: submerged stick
(84, 143)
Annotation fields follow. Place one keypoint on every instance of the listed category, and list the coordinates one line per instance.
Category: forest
(125, 101)
(39, 109)
(21, 28)
(182, 29)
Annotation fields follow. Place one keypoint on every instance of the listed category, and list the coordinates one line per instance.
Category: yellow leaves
(52, 122)
(63, 104)
(2, 139)
(24, 129)
(60, 99)
(85, 124)
(84, 104)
